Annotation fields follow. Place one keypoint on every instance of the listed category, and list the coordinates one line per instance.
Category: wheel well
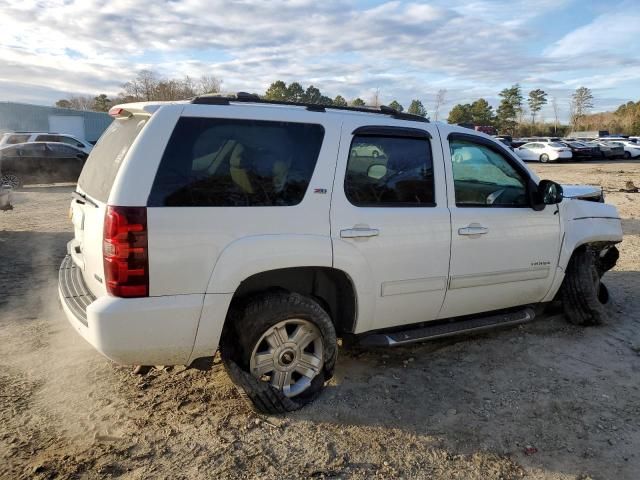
(606, 254)
(332, 288)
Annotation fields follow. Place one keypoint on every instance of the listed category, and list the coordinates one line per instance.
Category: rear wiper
(82, 199)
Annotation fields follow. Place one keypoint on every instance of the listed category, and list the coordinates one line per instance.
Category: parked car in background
(580, 151)
(595, 148)
(488, 129)
(505, 139)
(543, 151)
(631, 149)
(607, 150)
(542, 139)
(40, 162)
(365, 150)
(24, 137)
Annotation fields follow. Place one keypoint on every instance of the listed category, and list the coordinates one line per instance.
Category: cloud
(406, 49)
(613, 35)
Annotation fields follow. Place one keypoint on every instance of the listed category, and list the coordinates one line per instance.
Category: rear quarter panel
(212, 249)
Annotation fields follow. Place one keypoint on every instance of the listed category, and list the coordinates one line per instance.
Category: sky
(51, 49)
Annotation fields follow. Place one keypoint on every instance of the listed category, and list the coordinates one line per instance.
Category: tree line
(146, 86)
(514, 114)
(511, 114)
(295, 92)
(149, 86)
(625, 119)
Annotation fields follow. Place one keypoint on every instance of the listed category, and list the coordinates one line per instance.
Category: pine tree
(416, 108)
(537, 98)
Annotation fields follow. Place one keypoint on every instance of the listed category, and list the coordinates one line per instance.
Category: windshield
(105, 159)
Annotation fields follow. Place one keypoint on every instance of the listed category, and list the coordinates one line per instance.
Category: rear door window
(105, 159)
(387, 171)
(33, 150)
(243, 163)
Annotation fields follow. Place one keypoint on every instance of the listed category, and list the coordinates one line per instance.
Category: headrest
(237, 159)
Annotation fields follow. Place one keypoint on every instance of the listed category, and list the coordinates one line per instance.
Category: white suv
(268, 230)
(13, 138)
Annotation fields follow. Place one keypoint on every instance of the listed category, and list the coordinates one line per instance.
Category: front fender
(584, 222)
(588, 222)
(247, 256)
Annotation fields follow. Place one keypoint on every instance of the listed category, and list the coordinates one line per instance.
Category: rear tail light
(125, 252)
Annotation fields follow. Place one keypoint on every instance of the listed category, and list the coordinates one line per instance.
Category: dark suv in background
(40, 162)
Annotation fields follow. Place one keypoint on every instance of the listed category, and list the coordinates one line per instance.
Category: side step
(447, 329)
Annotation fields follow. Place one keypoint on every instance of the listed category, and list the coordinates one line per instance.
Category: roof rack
(35, 131)
(215, 99)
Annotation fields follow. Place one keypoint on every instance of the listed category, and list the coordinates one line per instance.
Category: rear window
(556, 145)
(102, 166)
(243, 163)
(14, 139)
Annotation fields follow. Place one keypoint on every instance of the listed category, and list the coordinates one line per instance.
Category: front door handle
(359, 232)
(473, 229)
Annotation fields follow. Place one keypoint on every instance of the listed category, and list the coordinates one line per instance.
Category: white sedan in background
(631, 149)
(543, 151)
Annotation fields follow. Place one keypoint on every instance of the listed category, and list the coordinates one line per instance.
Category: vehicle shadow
(560, 388)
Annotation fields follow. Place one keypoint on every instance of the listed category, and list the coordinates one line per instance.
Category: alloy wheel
(289, 355)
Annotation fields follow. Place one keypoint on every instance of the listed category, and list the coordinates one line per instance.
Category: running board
(448, 329)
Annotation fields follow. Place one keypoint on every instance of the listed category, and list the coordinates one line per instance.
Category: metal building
(16, 117)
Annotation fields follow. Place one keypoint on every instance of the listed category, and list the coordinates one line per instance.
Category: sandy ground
(546, 400)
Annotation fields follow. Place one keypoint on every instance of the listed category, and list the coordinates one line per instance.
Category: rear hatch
(89, 203)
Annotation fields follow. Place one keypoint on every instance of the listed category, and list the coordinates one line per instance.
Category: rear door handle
(473, 229)
(359, 232)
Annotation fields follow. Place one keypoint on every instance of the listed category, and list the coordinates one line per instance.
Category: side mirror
(547, 192)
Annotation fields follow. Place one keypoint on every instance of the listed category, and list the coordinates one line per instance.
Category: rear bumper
(137, 331)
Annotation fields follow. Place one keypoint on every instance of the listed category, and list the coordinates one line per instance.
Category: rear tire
(11, 179)
(583, 295)
(279, 349)
(627, 155)
(544, 158)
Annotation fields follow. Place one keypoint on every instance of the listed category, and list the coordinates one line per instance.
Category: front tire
(583, 295)
(627, 155)
(280, 350)
(544, 158)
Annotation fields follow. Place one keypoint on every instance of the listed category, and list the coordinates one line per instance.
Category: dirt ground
(546, 400)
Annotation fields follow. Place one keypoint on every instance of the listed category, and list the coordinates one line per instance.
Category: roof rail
(35, 131)
(215, 99)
